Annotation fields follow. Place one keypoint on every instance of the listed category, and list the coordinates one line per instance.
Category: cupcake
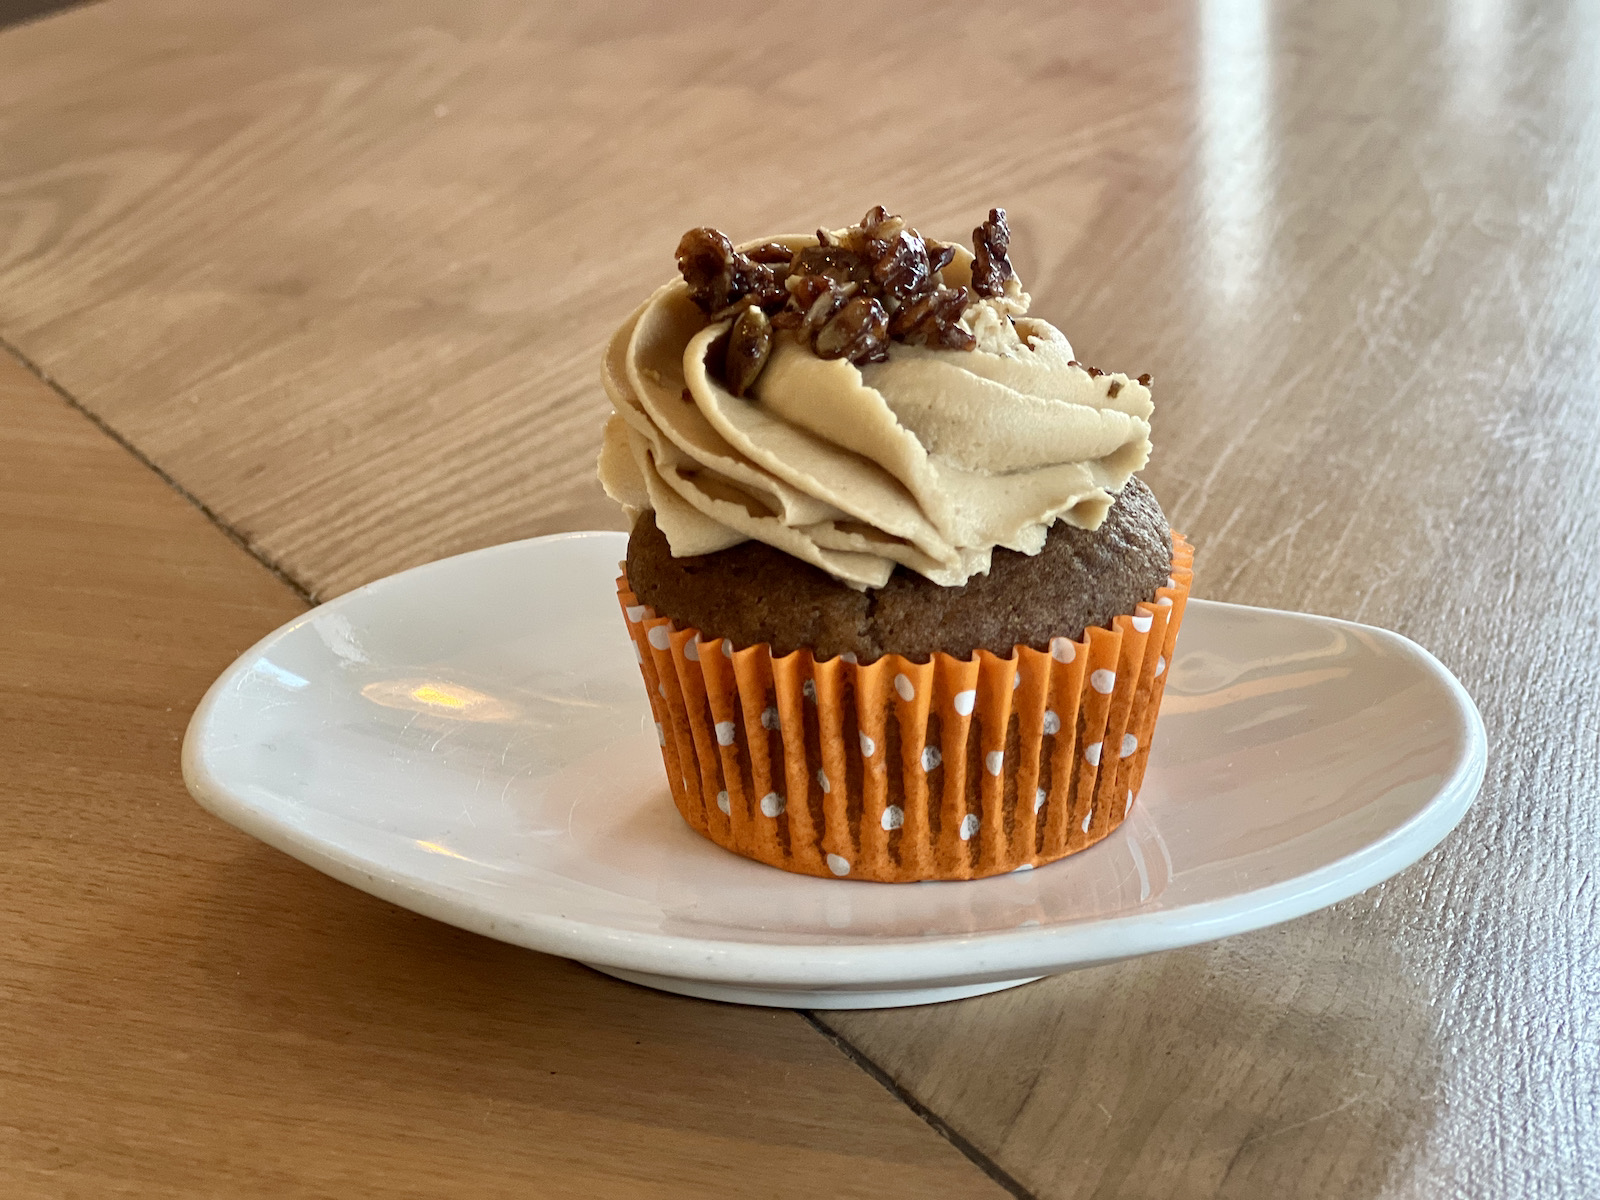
(902, 607)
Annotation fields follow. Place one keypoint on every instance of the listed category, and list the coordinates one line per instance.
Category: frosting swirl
(927, 460)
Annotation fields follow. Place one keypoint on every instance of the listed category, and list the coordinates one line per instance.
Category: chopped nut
(859, 331)
(990, 266)
(720, 278)
(749, 347)
(940, 256)
(705, 258)
(846, 297)
(770, 252)
(838, 263)
(933, 320)
(1145, 379)
(763, 283)
(804, 289)
(829, 301)
(902, 270)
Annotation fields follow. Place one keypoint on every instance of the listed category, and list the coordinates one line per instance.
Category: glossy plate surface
(470, 739)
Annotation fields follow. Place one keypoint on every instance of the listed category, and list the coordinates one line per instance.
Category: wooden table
(293, 295)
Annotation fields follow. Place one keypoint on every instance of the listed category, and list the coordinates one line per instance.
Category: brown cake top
(754, 594)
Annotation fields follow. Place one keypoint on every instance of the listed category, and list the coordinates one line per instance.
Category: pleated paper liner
(899, 771)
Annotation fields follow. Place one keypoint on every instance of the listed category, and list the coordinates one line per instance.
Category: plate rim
(862, 964)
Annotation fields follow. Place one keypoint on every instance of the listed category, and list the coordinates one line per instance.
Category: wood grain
(343, 271)
(188, 1013)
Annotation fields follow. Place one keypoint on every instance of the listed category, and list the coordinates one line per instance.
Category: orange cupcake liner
(899, 771)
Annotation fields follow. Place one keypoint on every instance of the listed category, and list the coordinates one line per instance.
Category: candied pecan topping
(770, 252)
(990, 266)
(827, 298)
(705, 258)
(838, 263)
(902, 272)
(721, 279)
(749, 347)
(858, 331)
(805, 289)
(931, 320)
(848, 296)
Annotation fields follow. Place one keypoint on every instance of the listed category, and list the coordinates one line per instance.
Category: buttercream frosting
(928, 460)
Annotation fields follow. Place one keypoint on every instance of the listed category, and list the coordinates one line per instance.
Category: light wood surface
(188, 1013)
(343, 273)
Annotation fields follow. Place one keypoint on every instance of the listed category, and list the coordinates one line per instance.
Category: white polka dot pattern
(848, 656)
(770, 696)
(1023, 867)
(1163, 601)
(1096, 666)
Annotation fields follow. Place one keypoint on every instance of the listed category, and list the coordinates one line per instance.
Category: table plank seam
(932, 1119)
(116, 436)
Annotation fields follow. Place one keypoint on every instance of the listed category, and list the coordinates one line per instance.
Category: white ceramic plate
(471, 740)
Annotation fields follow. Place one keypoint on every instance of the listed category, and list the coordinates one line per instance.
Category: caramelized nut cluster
(848, 296)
